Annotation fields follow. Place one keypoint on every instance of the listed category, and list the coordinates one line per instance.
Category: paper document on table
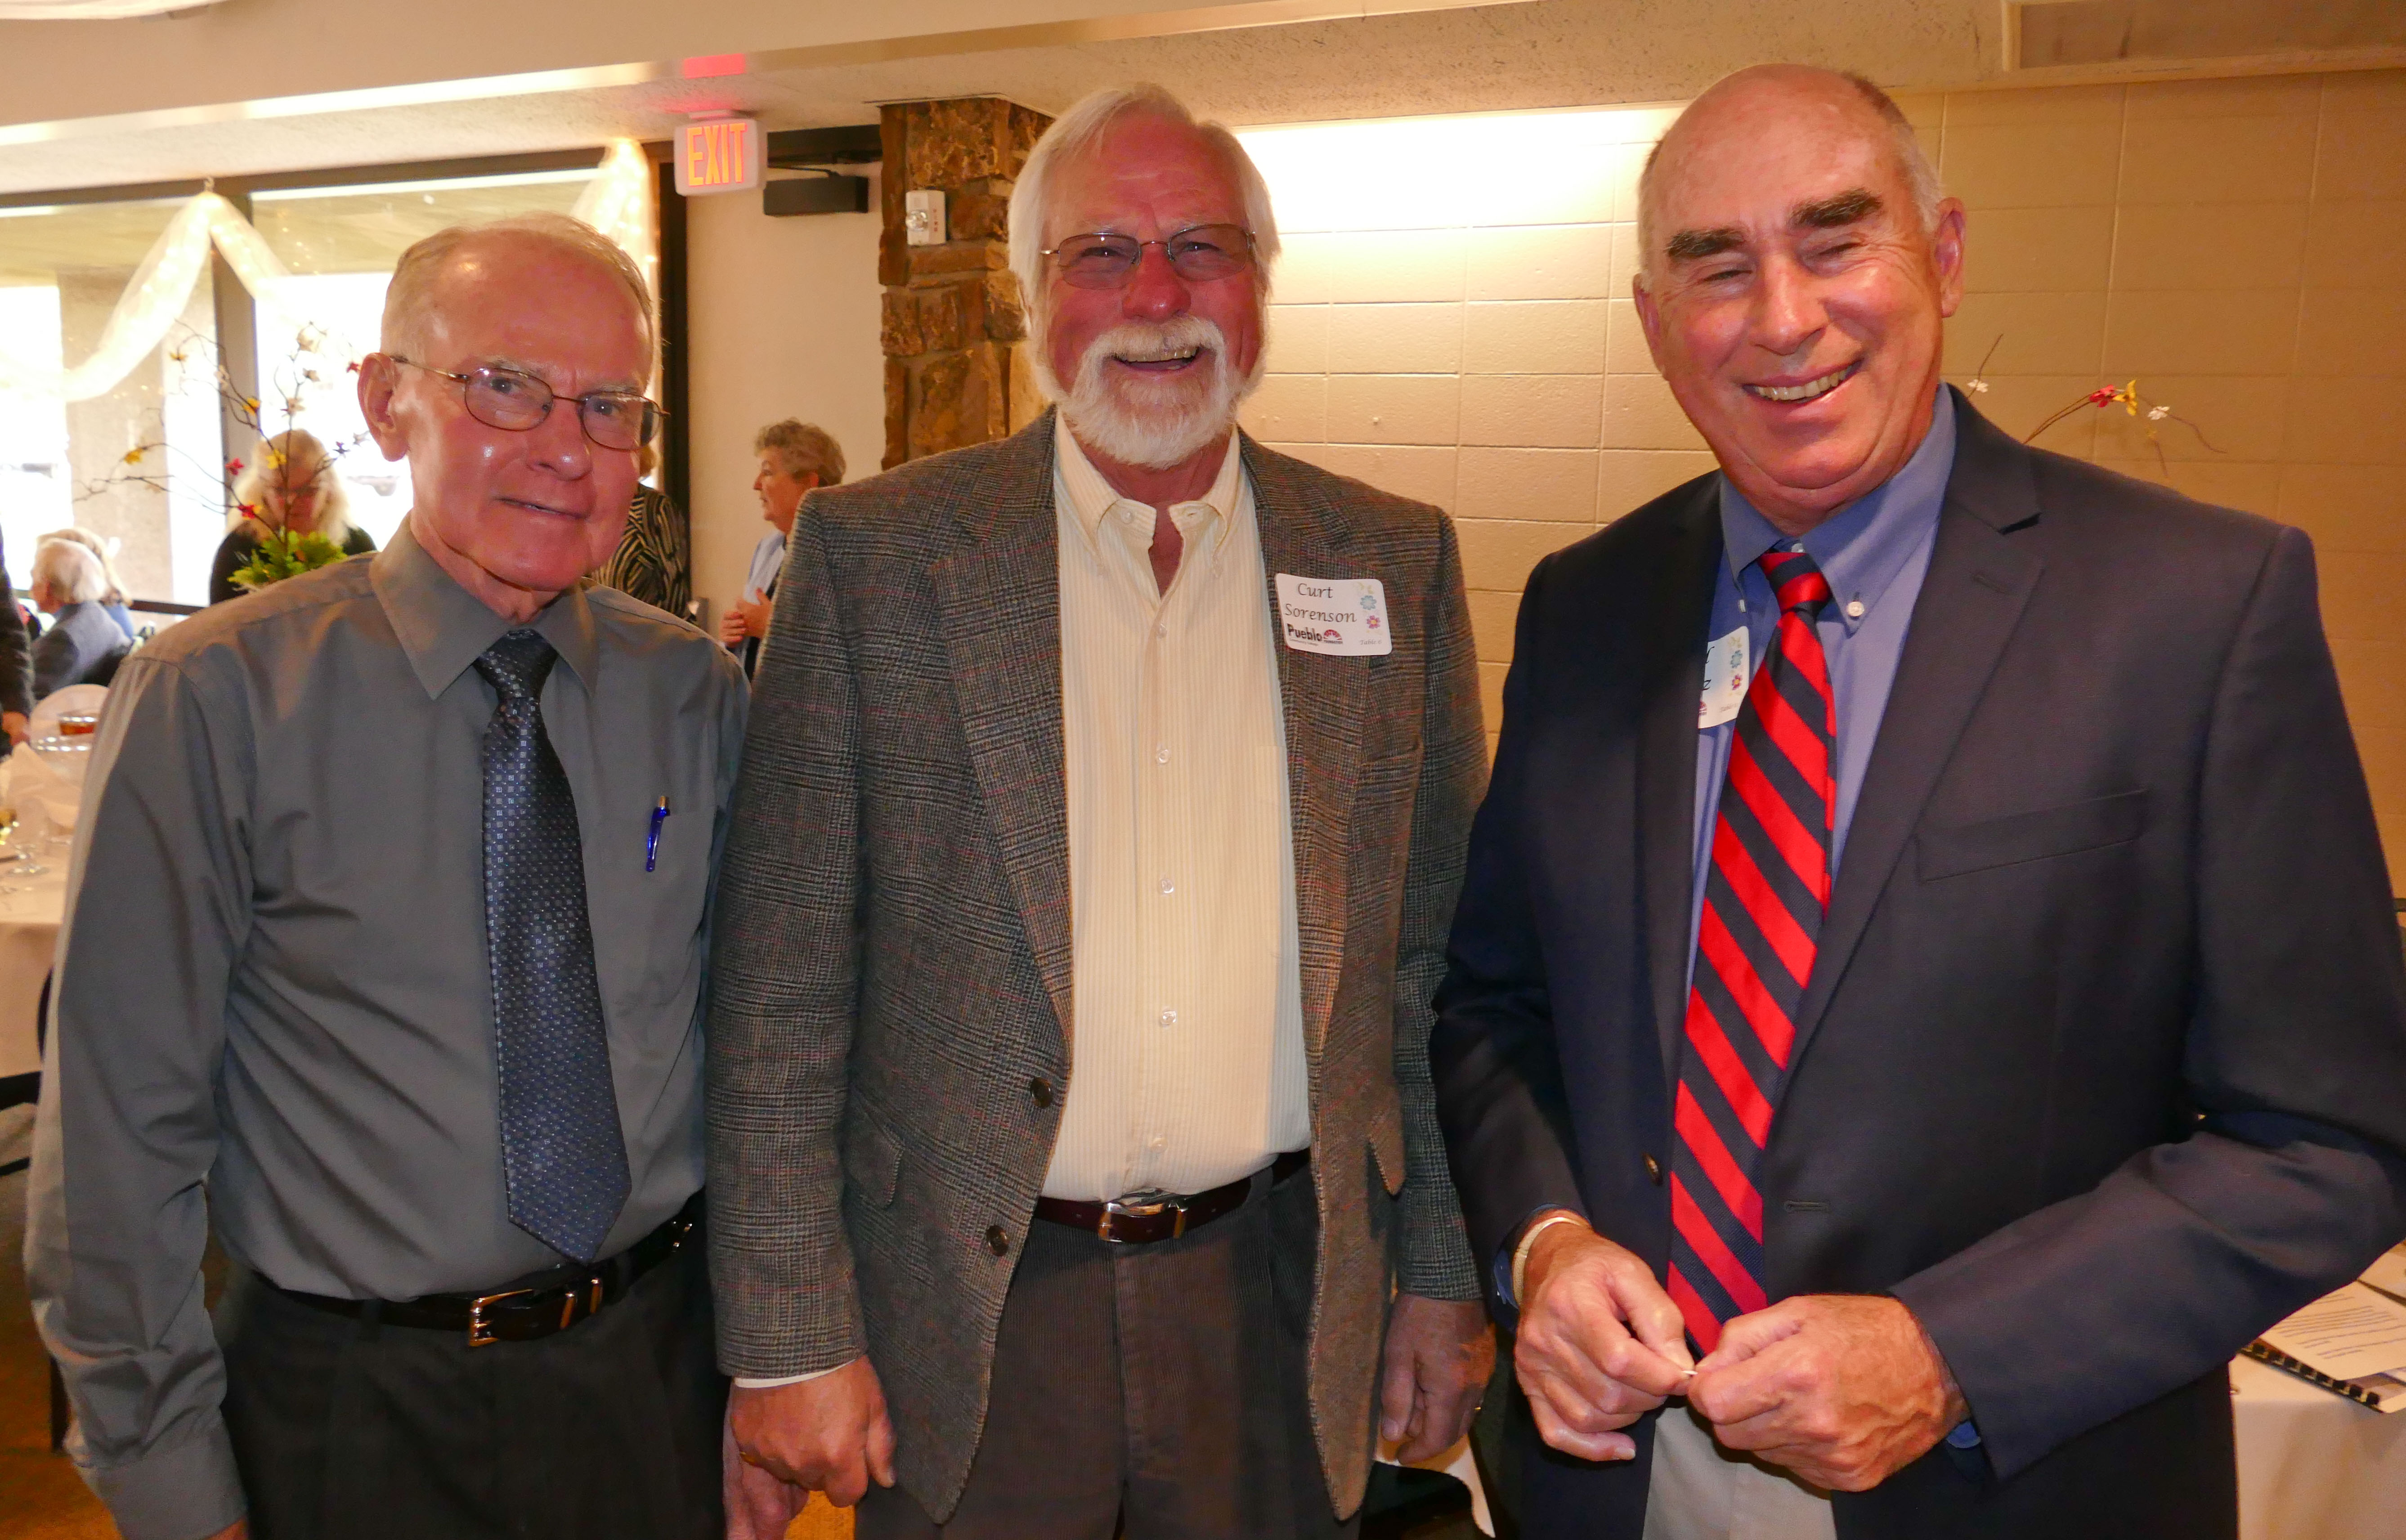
(2388, 1273)
(2353, 1342)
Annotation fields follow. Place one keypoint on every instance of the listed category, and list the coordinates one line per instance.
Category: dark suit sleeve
(1499, 1085)
(785, 972)
(1436, 1260)
(15, 670)
(2297, 1054)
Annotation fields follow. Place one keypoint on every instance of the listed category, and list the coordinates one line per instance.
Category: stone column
(954, 333)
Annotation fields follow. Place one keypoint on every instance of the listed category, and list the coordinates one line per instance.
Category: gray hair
(75, 535)
(410, 301)
(1078, 132)
(802, 448)
(1919, 175)
(266, 468)
(72, 572)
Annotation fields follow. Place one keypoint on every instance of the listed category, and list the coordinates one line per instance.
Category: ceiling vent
(2055, 33)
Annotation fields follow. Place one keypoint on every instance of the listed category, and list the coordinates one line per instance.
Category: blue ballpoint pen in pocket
(652, 841)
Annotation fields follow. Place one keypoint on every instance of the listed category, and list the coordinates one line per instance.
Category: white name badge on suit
(1334, 616)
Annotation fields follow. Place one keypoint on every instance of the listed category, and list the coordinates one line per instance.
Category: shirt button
(1170, 1018)
(1168, 886)
(1654, 1170)
(1854, 608)
(1041, 1090)
(1161, 755)
(1161, 629)
(1159, 1142)
(995, 1240)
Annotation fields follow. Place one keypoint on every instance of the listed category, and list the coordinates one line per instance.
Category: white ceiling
(171, 112)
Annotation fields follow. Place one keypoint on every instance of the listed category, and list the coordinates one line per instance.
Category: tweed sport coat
(892, 960)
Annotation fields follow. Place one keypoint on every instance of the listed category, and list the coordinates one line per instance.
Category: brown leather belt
(1140, 1222)
(521, 1314)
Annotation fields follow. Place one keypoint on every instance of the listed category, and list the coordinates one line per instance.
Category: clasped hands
(1841, 1390)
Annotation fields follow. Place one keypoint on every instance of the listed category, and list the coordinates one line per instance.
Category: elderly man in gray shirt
(386, 934)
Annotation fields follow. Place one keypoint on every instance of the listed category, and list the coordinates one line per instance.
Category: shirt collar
(1862, 548)
(1091, 498)
(442, 628)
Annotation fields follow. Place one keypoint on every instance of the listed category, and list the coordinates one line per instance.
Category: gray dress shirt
(273, 985)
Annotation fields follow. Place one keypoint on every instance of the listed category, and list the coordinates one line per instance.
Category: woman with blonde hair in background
(288, 484)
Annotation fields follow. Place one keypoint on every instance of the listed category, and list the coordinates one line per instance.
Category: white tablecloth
(2314, 1466)
(29, 933)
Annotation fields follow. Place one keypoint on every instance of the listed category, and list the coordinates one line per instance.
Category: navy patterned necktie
(561, 1151)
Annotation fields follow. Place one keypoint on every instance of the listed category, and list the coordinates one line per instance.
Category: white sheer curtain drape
(619, 203)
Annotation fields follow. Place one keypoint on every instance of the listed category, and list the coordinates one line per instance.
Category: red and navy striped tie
(1762, 923)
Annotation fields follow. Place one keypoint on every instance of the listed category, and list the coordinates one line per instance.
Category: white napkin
(1457, 1463)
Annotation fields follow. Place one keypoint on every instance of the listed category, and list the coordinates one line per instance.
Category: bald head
(429, 274)
(1777, 99)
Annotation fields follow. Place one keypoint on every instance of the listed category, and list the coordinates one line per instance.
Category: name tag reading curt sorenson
(1336, 616)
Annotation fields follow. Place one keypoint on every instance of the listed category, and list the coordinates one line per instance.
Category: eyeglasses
(518, 402)
(1198, 253)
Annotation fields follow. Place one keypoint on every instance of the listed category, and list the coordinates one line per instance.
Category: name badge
(1337, 616)
(1726, 677)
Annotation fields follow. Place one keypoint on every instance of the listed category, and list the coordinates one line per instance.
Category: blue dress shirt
(1875, 554)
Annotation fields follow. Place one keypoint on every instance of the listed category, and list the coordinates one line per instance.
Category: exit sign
(718, 155)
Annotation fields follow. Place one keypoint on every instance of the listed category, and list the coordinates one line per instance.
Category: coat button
(1041, 1090)
(995, 1242)
(1654, 1170)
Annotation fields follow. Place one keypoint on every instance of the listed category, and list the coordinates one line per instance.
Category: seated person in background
(796, 459)
(288, 483)
(112, 599)
(654, 561)
(83, 646)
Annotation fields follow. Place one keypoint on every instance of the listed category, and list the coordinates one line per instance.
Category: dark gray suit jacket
(83, 646)
(2102, 1068)
(892, 963)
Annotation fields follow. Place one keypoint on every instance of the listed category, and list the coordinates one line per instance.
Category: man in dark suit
(1934, 1051)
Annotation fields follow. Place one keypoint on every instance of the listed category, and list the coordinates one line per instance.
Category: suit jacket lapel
(1979, 579)
(998, 587)
(1682, 598)
(1321, 701)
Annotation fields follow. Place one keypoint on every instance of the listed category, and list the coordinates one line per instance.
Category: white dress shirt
(1186, 1045)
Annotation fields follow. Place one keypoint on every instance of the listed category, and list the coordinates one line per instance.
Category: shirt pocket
(2097, 823)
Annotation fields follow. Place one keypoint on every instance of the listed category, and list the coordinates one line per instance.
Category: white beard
(1148, 421)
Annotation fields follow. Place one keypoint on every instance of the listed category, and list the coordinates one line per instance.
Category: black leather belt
(539, 1309)
(1140, 1222)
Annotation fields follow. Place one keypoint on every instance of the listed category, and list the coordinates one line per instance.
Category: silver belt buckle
(1145, 1209)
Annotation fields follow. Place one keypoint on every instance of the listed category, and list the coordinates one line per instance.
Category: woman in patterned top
(654, 561)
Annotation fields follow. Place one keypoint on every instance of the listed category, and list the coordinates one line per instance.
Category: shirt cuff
(187, 1490)
(748, 1382)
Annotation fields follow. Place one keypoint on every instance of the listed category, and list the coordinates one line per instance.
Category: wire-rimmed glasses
(1198, 253)
(517, 401)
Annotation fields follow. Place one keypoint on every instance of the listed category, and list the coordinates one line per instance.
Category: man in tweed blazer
(1073, 1155)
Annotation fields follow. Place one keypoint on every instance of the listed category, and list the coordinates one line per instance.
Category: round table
(2314, 1466)
(29, 935)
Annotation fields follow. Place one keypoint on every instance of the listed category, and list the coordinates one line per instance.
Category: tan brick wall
(1452, 322)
